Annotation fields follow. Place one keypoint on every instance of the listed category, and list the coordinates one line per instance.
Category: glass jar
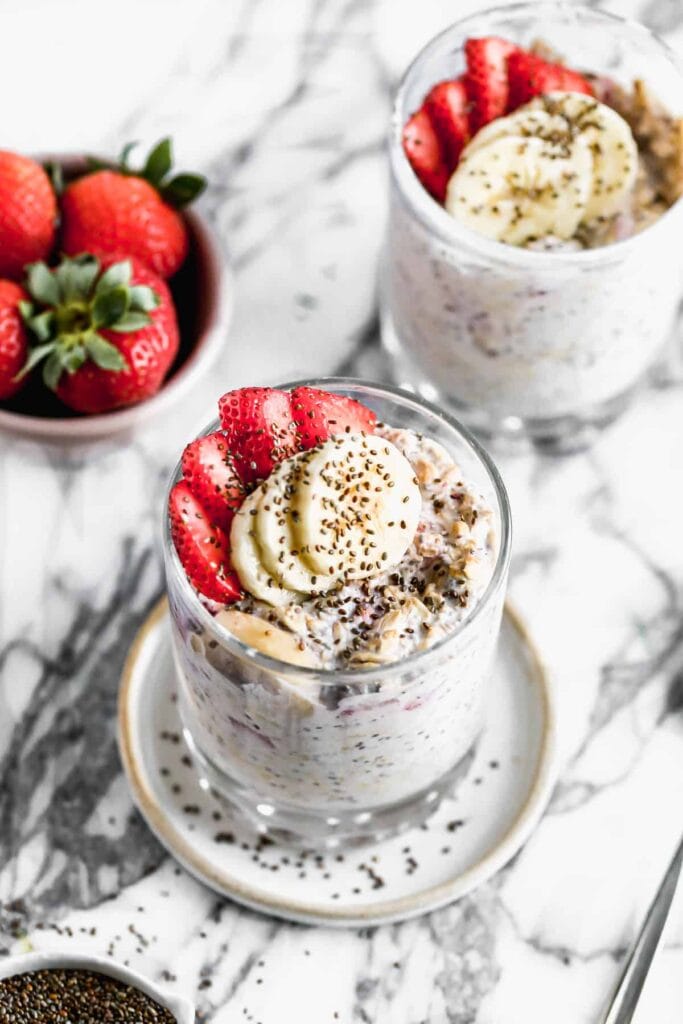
(535, 344)
(328, 755)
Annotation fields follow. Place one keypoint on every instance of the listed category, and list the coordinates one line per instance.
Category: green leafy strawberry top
(178, 190)
(72, 304)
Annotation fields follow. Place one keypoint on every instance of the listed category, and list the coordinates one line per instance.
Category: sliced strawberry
(530, 76)
(423, 150)
(487, 79)
(208, 470)
(448, 107)
(259, 430)
(202, 547)
(319, 415)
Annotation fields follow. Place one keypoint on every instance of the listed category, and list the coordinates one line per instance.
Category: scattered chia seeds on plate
(61, 996)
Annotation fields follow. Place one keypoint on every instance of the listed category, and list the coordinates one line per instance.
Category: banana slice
(275, 534)
(345, 510)
(515, 189)
(561, 160)
(246, 556)
(355, 509)
(529, 121)
(611, 142)
(266, 638)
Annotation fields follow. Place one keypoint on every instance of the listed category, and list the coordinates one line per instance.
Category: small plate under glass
(474, 832)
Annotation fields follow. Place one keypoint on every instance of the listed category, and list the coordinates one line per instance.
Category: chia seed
(62, 996)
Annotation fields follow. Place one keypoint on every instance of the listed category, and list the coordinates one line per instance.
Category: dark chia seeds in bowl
(73, 996)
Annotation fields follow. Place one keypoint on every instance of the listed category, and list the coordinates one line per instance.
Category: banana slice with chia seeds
(560, 161)
(275, 533)
(246, 556)
(356, 507)
(347, 509)
(611, 142)
(518, 188)
(529, 121)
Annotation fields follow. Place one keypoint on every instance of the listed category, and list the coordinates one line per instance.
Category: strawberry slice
(319, 415)
(259, 430)
(530, 76)
(448, 107)
(422, 147)
(202, 547)
(487, 78)
(208, 470)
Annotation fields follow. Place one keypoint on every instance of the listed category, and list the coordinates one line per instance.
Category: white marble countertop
(284, 106)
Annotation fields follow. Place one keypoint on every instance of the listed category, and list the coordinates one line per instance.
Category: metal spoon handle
(632, 979)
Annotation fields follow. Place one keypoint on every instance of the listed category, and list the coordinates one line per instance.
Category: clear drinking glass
(327, 755)
(542, 345)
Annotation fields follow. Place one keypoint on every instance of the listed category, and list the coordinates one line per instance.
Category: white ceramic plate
(472, 835)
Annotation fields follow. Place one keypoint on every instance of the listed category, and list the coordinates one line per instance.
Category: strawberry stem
(69, 307)
(178, 191)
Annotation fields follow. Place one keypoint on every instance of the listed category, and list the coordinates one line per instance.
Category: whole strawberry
(13, 337)
(28, 213)
(105, 331)
(136, 212)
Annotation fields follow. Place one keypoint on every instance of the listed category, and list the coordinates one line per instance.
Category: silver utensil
(632, 978)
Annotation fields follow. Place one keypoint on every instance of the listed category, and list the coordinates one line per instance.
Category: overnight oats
(336, 564)
(531, 274)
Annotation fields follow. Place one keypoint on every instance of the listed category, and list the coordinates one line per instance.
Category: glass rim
(356, 675)
(438, 221)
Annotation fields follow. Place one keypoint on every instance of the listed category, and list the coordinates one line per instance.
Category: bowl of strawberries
(114, 296)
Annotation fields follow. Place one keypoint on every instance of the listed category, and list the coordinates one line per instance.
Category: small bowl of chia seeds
(55, 989)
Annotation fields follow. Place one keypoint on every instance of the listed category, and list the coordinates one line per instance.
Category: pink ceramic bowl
(202, 291)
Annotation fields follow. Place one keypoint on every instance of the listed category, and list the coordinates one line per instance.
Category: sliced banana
(266, 638)
(274, 530)
(355, 510)
(611, 142)
(246, 556)
(515, 189)
(561, 160)
(347, 509)
(529, 121)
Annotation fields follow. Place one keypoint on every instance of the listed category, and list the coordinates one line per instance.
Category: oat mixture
(412, 605)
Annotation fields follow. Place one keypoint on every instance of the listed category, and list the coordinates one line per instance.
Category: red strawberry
(113, 211)
(28, 212)
(208, 470)
(530, 76)
(319, 415)
(487, 80)
(107, 332)
(259, 430)
(448, 107)
(423, 150)
(13, 339)
(202, 547)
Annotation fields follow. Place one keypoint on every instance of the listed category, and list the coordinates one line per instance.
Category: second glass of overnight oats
(532, 269)
(336, 562)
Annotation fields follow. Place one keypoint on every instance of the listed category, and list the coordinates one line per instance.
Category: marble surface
(284, 105)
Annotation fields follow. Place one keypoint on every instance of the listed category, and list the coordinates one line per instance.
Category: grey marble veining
(285, 106)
